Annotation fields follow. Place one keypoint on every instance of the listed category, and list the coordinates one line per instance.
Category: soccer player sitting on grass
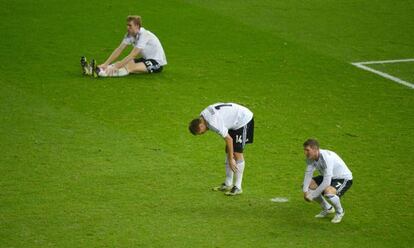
(144, 43)
(334, 180)
(235, 124)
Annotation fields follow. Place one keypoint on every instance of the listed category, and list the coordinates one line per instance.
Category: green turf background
(110, 163)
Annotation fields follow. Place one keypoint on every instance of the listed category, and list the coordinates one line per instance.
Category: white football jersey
(149, 44)
(330, 164)
(222, 117)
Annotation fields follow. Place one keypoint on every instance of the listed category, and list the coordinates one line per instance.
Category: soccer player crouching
(144, 43)
(235, 124)
(334, 180)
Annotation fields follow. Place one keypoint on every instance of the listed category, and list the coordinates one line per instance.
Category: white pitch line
(362, 66)
(384, 61)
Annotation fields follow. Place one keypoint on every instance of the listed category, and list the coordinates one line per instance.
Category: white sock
(334, 199)
(117, 73)
(229, 174)
(239, 174)
(102, 73)
(121, 72)
(324, 204)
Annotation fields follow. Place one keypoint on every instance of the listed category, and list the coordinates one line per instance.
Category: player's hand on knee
(330, 191)
(233, 165)
(307, 197)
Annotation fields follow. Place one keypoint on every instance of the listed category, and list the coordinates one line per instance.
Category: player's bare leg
(133, 67)
(120, 72)
(313, 185)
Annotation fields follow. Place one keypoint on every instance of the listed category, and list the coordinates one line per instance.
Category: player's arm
(327, 178)
(308, 177)
(229, 144)
(114, 55)
(326, 182)
(307, 180)
(132, 55)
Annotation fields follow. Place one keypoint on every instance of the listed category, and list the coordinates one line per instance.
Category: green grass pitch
(110, 162)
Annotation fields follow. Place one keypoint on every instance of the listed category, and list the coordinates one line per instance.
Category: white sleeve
(214, 122)
(327, 177)
(218, 127)
(223, 130)
(329, 161)
(126, 40)
(325, 183)
(308, 177)
(142, 41)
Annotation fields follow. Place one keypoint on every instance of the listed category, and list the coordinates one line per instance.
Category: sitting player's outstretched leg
(334, 180)
(235, 124)
(146, 56)
(113, 72)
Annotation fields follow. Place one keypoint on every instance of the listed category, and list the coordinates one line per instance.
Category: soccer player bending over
(235, 124)
(144, 43)
(334, 180)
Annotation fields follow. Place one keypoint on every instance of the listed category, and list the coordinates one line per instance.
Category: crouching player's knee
(330, 191)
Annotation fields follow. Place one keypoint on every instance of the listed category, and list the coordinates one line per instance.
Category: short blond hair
(136, 19)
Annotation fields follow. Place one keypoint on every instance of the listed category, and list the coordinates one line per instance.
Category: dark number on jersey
(222, 105)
